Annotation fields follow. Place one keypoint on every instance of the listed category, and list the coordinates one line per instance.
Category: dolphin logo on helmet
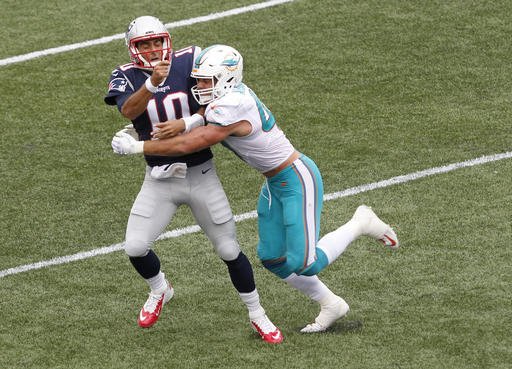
(223, 65)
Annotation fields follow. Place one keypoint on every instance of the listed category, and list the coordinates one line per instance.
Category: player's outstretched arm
(196, 140)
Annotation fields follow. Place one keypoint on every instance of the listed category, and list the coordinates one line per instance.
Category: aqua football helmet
(147, 28)
(223, 65)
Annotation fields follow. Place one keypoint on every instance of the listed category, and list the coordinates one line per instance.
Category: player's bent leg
(212, 212)
(142, 230)
(371, 225)
(149, 215)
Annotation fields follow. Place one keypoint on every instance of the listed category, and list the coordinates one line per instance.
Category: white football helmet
(223, 65)
(147, 28)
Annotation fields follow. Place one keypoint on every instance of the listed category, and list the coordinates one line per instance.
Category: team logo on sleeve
(117, 84)
(216, 110)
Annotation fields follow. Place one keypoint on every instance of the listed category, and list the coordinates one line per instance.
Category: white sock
(157, 283)
(311, 286)
(334, 243)
(252, 301)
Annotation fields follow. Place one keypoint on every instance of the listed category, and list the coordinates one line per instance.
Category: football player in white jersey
(155, 88)
(290, 201)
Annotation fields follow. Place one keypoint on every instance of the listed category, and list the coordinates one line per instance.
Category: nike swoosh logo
(206, 171)
(276, 335)
(391, 242)
(142, 317)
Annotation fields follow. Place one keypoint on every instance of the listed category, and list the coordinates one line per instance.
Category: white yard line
(251, 215)
(173, 25)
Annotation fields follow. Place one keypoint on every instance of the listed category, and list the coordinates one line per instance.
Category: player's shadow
(344, 326)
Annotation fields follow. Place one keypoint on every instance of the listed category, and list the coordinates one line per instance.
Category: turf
(369, 89)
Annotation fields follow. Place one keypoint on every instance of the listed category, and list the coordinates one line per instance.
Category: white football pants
(159, 199)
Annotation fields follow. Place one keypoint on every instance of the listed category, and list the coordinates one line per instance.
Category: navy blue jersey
(173, 100)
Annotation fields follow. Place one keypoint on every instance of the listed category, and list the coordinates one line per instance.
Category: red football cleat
(267, 330)
(150, 312)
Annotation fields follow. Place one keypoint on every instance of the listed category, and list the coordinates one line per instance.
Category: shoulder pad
(226, 110)
(126, 67)
(229, 100)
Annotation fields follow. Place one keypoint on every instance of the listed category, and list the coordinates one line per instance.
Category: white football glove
(131, 131)
(124, 144)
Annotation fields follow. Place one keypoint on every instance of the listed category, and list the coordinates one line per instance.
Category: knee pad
(320, 263)
(312, 270)
(136, 248)
(284, 266)
(225, 242)
(279, 267)
(227, 248)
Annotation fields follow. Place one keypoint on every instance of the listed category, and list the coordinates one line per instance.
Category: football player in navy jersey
(155, 88)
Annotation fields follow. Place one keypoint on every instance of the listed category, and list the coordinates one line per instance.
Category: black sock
(240, 271)
(148, 266)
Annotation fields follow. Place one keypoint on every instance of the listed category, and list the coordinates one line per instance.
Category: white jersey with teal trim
(266, 147)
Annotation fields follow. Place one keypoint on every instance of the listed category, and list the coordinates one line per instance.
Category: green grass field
(369, 89)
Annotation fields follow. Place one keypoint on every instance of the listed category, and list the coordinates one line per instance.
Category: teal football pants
(289, 210)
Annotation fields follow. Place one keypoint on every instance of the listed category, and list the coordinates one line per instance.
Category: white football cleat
(371, 225)
(150, 312)
(267, 330)
(331, 311)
